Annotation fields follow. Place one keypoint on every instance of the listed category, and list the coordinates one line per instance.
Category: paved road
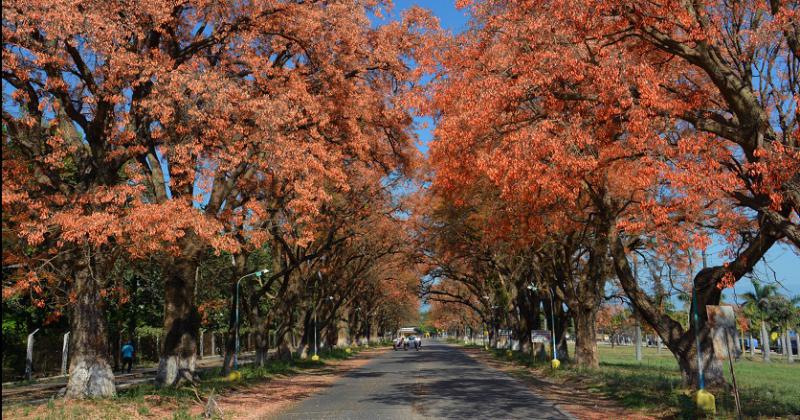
(440, 381)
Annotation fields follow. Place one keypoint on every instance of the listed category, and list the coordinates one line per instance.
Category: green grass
(654, 384)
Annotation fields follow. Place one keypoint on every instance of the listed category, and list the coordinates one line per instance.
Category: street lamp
(258, 274)
(555, 361)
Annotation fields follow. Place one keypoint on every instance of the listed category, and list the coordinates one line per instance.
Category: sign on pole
(65, 354)
(540, 336)
(29, 356)
(722, 323)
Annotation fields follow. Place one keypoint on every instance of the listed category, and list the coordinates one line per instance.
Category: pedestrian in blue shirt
(127, 356)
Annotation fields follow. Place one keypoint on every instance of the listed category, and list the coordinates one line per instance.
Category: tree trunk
(741, 342)
(229, 341)
(528, 304)
(262, 346)
(586, 338)
(562, 322)
(787, 346)
(681, 341)
(90, 374)
(181, 328)
(307, 339)
(712, 367)
(764, 342)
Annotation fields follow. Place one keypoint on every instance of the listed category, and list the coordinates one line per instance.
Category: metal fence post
(201, 344)
(65, 354)
(29, 356)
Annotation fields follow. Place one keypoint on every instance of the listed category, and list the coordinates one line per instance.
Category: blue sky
(781, 263)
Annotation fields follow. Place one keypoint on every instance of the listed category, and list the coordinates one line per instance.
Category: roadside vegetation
(149, 401)
(653, 386)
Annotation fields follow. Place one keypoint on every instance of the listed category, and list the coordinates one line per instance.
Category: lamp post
(554, 362)
(236, 322)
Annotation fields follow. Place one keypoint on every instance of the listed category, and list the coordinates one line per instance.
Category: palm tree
(781, 313)
(757, 303)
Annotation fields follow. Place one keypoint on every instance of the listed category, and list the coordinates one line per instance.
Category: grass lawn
(654, 384)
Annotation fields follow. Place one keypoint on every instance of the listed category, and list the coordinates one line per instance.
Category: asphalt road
(439, 381)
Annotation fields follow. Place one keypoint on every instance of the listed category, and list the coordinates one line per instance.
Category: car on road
(414, 341)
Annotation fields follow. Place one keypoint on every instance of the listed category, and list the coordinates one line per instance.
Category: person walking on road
(127, 356)
(398, 342)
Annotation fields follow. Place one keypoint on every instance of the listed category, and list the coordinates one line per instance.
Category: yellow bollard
(705, 402)
(555, 363)
(234, 376)
(315, 358)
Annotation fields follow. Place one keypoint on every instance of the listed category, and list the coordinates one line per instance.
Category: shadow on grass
(211, 379)
(655, 387)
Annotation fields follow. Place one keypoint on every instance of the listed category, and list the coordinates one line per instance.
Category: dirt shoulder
(238, 400)
(271, 397)
(570, 394)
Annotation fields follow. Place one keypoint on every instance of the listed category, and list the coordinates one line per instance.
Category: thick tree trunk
(90, 374)
(261, 336)
(229, 339)
(586, 338)
(181, 328)
(283, 346)
(562, 323)
(307, 339)
(712, 367)
(528, 304)
(583, 294)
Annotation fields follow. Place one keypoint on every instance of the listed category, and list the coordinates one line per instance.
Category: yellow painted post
(705, 402)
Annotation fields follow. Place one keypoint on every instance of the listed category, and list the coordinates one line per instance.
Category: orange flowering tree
(635, 125)
(164, 130)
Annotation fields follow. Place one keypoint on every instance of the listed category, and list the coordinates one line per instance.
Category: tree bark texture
(90, 374)
(586, 339)
(181, 327)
